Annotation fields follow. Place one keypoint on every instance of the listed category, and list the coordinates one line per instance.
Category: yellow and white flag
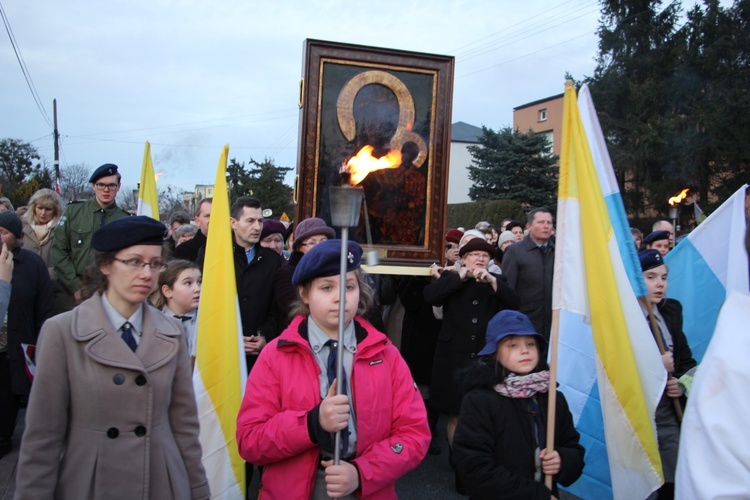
(609, 367)
(220, 371)
(148, 199)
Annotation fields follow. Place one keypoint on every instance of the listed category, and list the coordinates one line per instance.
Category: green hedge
(494, 211)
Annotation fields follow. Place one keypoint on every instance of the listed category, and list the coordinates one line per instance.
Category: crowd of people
(102, 310)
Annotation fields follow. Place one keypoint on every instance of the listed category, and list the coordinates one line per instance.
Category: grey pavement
(432, 479)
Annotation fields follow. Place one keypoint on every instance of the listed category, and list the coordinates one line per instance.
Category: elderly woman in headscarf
(45, 209)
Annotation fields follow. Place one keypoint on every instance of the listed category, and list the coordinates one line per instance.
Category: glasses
(478, 255)
(312, 243)
(105, 187)
(139, 264)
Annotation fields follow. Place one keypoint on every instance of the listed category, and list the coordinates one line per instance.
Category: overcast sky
(192, 76)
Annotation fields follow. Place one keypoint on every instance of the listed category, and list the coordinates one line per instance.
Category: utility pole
(57, 146)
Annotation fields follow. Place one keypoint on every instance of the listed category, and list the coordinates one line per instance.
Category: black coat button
(112, 432)
(140, 380)
(140, 431)
(118, 379)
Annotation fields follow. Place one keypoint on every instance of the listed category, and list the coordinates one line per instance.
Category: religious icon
(379, 119)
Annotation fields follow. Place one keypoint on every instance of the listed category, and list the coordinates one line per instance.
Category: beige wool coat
(104, 422)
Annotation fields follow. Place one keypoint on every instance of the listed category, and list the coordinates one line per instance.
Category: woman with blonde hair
(45, 210)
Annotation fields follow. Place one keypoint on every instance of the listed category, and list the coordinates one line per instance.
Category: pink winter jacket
(392, 430)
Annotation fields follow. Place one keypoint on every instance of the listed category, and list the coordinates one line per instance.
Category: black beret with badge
(104, 171)
(127, 232)
(650, 259)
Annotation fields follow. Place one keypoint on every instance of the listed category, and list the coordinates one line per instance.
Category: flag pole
(552, 394)
(662, 348)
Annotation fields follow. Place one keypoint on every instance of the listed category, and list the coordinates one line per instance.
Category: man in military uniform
(71, 248)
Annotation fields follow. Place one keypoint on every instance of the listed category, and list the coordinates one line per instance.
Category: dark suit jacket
(529, 271)
(189, 250)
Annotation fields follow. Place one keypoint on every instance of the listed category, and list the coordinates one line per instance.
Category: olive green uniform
(71, 248)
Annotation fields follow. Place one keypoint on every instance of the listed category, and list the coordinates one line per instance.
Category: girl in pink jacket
(290, 412)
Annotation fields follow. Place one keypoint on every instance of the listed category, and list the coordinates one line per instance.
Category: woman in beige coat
(45, 209)
(112, 412)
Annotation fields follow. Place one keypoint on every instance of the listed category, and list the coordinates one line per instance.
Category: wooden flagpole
(552, 394)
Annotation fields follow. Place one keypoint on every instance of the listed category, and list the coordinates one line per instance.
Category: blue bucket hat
(507, 323)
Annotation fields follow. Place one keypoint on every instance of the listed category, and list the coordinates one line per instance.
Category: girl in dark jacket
(677, 361)
(499, 444)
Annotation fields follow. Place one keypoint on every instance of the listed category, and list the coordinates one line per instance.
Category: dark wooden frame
(427, 79)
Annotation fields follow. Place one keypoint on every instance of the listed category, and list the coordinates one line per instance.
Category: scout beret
(104, 171)
(656, 236)
(128, 231)
(12, 222)
(509, 322)
(324, 260)
(271, 226)
(650, 259)
(477, 245)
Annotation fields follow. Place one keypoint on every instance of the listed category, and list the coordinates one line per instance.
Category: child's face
(185, 294)
(322, 297)
(518, 354)
(661, 245)
(656, 283)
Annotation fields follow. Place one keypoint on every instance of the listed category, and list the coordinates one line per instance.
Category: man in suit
(528, 266)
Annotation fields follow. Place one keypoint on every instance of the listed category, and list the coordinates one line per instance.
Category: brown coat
(106, 422)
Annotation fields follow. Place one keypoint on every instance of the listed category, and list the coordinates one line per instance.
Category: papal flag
(148, 199)
(220, 372)
(706, 266)
(610, 369)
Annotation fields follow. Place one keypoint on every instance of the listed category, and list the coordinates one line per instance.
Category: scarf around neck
(524, 386)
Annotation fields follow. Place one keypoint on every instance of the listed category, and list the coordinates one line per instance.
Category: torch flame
(159, 174)
(363, 163)
(674, 200)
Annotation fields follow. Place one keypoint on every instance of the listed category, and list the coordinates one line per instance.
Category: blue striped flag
(706, 266)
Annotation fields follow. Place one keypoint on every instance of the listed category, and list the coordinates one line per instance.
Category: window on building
(543, 115)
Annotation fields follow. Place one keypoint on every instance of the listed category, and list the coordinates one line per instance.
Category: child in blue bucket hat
(500, 441)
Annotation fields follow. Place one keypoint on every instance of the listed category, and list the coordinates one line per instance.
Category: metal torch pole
(345, 207)
(340, 352)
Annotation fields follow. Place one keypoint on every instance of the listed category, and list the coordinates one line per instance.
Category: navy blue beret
(128, 231)
(324, 260)
(656, 236)
(104, 171)
(650, 259)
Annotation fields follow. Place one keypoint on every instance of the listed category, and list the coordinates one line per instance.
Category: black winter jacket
(494, 446)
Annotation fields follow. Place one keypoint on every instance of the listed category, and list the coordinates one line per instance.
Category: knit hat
(505, 237)
(324, 259)
(311, 227)
(12, 222)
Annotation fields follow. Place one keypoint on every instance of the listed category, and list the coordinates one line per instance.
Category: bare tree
(170, 201)
(127, 198)
(74, 182)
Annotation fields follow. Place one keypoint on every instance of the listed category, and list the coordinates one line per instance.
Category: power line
(24, 69)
